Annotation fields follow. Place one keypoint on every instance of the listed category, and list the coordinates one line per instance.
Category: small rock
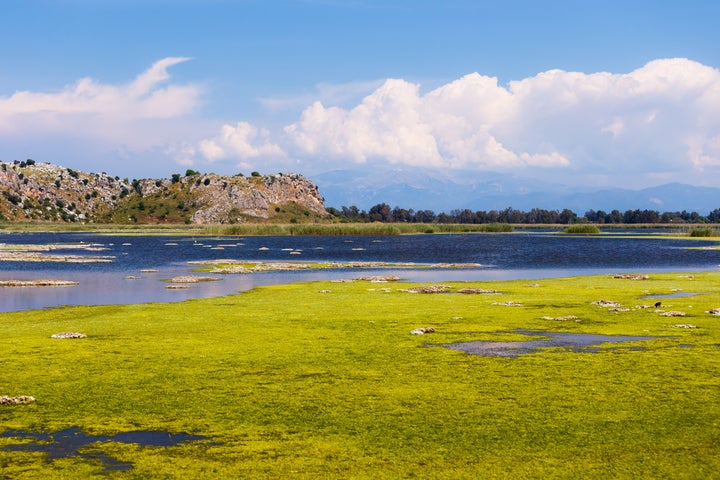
(714, 311)
(683, 325)
(477, 291)
(380, 278)
(68, 335)
(606, 303)
(192, 279)
(428, 289)
(561, 319)
(673, 313)
(22, 399)
(631, 276)
(422, 331)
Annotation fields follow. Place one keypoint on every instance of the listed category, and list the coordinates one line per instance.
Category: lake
(521, 255)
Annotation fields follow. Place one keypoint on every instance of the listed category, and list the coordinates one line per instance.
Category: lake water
(520, 255)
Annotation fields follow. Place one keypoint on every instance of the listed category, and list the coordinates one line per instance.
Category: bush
(498, 228)
(585, 229)
(703, 232)
(12, 197)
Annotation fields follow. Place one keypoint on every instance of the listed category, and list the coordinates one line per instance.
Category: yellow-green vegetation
(324, 380)
(270, 228)
(582, 228)
(704, 232)
(353, 229)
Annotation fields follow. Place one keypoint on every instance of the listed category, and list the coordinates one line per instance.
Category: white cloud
(385, 125)
(129, 114)
(242, 141)
(328, 93)
(658, 122)
(451, 126)
(662, 118)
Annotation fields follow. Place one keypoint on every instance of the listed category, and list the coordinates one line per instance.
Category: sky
(583, 92)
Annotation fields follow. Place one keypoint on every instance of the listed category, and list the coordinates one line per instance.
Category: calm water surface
(503, 256)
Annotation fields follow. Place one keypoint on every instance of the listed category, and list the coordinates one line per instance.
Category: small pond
(578, 342)
(72, 442)
(675, 295)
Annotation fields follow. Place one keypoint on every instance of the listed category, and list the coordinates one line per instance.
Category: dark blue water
(503, 256)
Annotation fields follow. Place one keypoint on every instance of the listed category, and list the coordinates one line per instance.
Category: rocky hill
(32, 191)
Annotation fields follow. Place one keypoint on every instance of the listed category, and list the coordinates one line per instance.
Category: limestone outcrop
(32, 191)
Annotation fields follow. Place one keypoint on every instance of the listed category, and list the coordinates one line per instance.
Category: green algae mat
(326, 380)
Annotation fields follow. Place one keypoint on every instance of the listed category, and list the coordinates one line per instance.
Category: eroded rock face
(224, 196)
(46, 192)
(42, 191)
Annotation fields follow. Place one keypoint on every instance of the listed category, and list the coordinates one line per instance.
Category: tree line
(382, 212)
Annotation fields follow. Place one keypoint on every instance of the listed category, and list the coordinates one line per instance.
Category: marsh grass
(260, 229)
(353, 229)
(289, 382)
(704, 232)
(582, 228)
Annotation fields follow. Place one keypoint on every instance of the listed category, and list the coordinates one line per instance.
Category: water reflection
(72, 442)
(579, 342)
(503, 256)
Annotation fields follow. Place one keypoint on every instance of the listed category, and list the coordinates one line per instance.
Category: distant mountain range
(423, 190)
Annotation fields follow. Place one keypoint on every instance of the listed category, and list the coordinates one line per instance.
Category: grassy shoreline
(308, 229)
(324, 380)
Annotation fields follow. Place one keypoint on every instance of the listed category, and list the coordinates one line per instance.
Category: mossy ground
(294, 381)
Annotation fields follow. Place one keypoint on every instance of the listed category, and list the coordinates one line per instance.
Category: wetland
(315, 373)
(135, 268)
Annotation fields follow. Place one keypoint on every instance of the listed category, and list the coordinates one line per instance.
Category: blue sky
(596, 92)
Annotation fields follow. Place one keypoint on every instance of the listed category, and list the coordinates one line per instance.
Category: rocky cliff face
(30, 191)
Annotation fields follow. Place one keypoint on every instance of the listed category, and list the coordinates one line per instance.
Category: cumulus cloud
(124, 114)
(663, 117)
(660, 121)
(242, 141)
